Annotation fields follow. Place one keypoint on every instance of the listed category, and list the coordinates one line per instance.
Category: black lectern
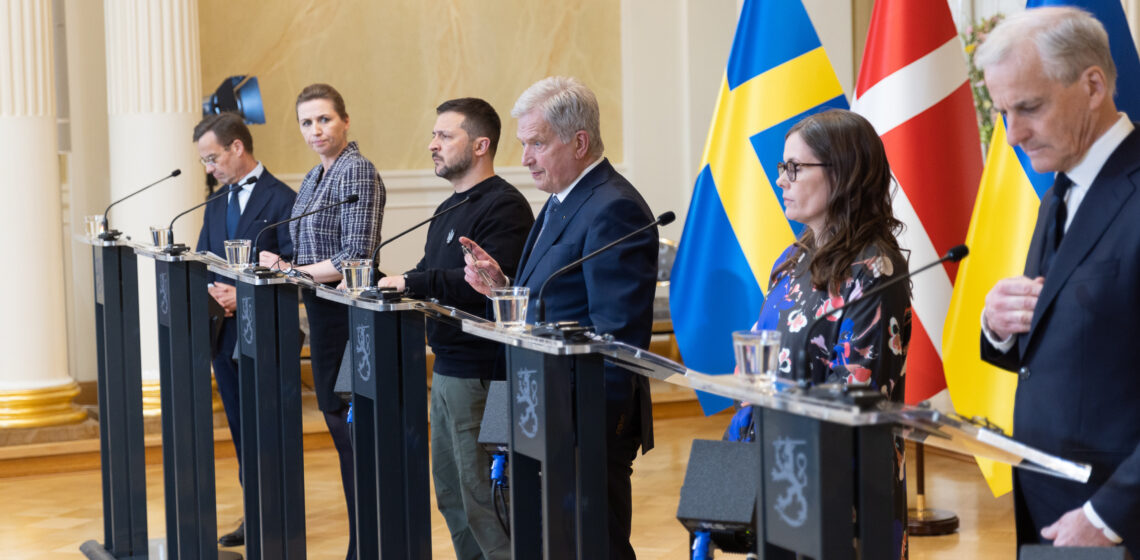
(823, 486)
(269, 368)
(187, 411)
(558, 448)
(390, 425)
(121, 447)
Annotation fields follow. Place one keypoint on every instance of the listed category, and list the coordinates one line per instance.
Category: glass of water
(357, 274)
(757, 355)
(237, 253)
(510, 306)
(161, 236)
(93, 225)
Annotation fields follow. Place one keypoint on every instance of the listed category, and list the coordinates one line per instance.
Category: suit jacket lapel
(1105, 198)
(526, 264)
(216, 212)
(257, 200)
(574, 201)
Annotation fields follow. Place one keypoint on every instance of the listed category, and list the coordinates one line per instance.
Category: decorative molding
(415, 189)
(27, 83)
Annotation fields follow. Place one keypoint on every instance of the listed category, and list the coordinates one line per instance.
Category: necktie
(233, 215)
(1055, 229)
(551, 209)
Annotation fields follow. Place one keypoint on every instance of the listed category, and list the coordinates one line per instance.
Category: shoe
(236, 538)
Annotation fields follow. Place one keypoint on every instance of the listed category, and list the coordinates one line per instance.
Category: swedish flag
(777, 74)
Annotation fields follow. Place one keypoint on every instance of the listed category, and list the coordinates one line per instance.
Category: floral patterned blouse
(864, 343)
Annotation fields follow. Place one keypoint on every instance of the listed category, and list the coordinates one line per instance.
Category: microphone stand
(920, 520)
(263, 272)
(571, 331)
(113, 234)
(388, 294)
(179, 248)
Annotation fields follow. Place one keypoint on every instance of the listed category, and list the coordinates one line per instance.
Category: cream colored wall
(395, 60)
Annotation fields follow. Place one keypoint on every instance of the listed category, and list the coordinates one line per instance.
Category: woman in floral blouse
(836, 181)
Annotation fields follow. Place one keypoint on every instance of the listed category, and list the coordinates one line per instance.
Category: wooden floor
(47, 517)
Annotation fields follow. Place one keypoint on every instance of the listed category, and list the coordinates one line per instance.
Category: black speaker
(493, 432)
(1048, 552)
(720, 493)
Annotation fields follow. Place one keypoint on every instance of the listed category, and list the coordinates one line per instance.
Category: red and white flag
(914, 89)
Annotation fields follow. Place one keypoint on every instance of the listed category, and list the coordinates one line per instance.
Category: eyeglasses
(792, 168)
(212, 159)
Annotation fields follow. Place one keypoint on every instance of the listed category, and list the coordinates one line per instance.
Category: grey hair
(567, 105)
(1068, 41)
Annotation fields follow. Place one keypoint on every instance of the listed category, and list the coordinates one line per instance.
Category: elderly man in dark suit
(590, 205)
(226, 148)
(1066, 326)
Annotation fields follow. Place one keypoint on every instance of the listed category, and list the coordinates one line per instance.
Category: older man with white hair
(1066, 326)
(590, 205)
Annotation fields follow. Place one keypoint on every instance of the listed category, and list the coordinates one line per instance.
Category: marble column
(35, 386)
(154, 91)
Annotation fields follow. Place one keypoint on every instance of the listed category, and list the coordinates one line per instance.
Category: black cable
(498, 497)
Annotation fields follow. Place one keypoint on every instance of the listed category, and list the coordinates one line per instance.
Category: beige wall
(395, 60)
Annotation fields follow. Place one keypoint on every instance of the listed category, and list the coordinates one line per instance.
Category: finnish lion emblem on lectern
(528, 396)
(247, 319)
(164, 293)
(791, 467)
(363, 353)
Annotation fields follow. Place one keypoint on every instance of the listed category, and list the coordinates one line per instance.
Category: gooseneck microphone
(470, 198)
(215, 196)
(109, 234)
(955, 254)
(253, 250)
(662, 220)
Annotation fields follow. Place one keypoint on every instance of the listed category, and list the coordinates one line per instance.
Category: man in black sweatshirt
(463, 144)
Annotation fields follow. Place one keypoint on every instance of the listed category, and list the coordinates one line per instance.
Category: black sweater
(499, 221)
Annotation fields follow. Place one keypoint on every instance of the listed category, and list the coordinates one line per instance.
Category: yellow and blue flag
(1000, 230)
(777, 74)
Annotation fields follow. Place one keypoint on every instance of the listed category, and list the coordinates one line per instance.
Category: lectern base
(157, 549)
(931, 522)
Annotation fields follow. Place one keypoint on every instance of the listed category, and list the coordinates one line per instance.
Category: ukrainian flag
(777, 74)
(1000, 230)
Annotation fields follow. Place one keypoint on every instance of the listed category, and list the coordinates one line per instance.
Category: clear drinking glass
(161, 236)
(93, 225)
(237, 253)
(357, 275)
(510, 306)
(757, 355)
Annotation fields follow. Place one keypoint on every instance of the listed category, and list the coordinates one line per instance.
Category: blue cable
(498, 466)
(349, 417)
(701, 545)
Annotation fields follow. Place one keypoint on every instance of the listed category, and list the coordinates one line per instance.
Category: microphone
(470, 198)
(662, 220)
(253, 251)
(110, 235)
(215, 196)
(955, 254)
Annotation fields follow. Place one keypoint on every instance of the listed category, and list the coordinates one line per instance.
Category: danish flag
(913, 88)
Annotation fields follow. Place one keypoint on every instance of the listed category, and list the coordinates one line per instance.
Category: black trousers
(226, 374)
(623, 439)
